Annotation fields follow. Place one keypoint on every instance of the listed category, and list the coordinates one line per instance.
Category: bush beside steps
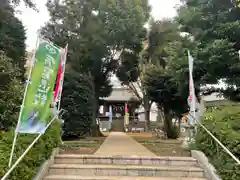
(31, 163)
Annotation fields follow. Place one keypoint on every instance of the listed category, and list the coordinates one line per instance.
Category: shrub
(224, 123)
(40, 152)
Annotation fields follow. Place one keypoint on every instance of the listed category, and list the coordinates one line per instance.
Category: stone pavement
(120, 144)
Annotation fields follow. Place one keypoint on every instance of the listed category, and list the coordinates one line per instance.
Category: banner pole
(22, 106)
(60, 95)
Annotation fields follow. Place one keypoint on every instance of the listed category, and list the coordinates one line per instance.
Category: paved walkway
(118, 143)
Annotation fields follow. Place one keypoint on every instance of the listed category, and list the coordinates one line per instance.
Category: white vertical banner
(192, 97)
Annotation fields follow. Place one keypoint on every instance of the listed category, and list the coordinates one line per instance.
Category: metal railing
(217, 141)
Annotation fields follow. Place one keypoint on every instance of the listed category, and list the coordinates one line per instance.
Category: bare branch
(133, 88)
(116, 51)
(108, 68)
(139, 85)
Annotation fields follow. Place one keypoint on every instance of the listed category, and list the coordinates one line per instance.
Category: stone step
(68, 177)
(124, 160)
(125, 170)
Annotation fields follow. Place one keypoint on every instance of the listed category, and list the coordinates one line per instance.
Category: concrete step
(68, 177)
(125, 170)
(124, 160)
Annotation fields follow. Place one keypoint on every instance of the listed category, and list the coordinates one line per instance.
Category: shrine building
(117, 100)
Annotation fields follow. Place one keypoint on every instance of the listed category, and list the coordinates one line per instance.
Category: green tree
(162, 90)
(28, 3)
(166, 73)
(133, 67)
(214, 26)
(97, 32)
(10, 93)
(130, 73)
(12, 60)
(12, 36)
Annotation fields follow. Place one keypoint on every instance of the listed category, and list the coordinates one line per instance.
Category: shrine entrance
(117, 100)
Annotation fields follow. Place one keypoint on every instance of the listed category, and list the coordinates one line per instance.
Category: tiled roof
(120, 94)
(124, 94)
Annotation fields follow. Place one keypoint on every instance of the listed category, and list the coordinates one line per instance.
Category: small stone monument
(187, 130)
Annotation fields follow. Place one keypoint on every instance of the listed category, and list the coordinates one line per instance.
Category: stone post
(187, 132)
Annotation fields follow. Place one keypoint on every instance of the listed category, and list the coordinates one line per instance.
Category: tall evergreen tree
(10, 93)
(214, 26)
(12, 60)
(78, 100)
(12, 35)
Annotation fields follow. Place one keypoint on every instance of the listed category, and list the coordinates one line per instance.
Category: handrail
(29, 147)
(224, 147)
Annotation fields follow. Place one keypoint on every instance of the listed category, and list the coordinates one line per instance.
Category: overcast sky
(33, 20)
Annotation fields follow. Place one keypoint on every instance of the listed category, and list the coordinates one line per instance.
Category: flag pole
(22, 106)
(60, 95)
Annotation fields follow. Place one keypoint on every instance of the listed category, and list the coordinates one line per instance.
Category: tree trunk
(167, 122)
(96, 127)
(160, 118)
(179, 123)
(94, 117)
(147, 108)
(147, 117)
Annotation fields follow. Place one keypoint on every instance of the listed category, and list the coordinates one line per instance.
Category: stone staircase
(95, 167)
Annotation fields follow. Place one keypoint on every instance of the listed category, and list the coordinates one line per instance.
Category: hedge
(40, 152)
(224, 123)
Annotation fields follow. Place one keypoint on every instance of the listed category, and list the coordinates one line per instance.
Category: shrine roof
(120, 94)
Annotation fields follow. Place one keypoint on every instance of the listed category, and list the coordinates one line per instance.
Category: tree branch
(139, 85)
(133, 88)
(108, 68)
